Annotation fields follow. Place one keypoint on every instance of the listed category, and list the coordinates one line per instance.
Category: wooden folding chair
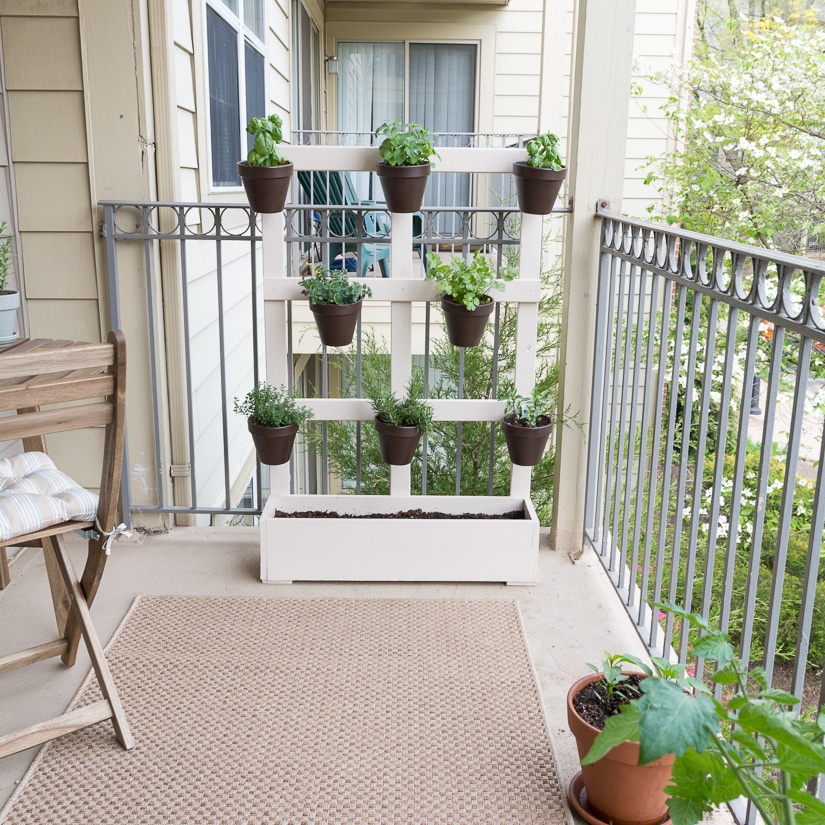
(83, 385)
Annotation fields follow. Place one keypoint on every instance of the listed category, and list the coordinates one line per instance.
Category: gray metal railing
(197, 269)
(696, 496)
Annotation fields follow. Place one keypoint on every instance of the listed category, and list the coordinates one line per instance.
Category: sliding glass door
(433, 84)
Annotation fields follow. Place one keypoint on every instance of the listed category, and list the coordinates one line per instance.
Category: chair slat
(55, 421)
(33, 539)
(55, 391)
(16, 364)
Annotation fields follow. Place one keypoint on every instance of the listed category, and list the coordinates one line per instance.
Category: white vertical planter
(395, 550)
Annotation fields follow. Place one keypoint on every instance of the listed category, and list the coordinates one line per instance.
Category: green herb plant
(405, 144)
(611, 676)
(5, 257)
(769, 757)
(543, 152)
(409, 411)
(270, 406)
(533, 410)
(326, 286)
(268, 134)
(467, 282)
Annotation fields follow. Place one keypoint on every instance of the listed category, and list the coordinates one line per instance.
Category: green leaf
(716, 647)
(685, 811)
(620, 728)
(812, 809)
(727, 675)
(703, 778)
(672, 720)
(796, 751)
(780, 696)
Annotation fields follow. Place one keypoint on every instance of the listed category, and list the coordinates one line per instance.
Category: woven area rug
(293, 711)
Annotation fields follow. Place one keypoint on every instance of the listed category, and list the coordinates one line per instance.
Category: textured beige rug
(323, 711)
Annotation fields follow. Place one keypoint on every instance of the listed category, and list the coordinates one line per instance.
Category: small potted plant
(400, 423)
(527, 426)
(272, 416)
(614, 788)
(335, 301)
(404, 167)
(464, 286)
(266, 173)
(745, 744)
(540, 177)
(9, 298)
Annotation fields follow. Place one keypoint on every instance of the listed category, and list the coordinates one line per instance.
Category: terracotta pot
(397, 444)
(266, 186)
(465, 327)
(526, 444)
(537, 189)
(403, 185)
(336, 322)
(273, 444)
(619, 789)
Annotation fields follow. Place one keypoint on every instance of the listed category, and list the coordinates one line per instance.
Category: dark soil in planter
(512, 515)
(541, 421)
(591, 705)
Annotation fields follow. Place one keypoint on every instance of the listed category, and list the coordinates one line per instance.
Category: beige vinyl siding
(50, 226)
(663, 34)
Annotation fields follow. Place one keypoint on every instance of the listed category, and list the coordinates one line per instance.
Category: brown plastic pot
(403, 186)
(397, 444)
(618, 788)
(526, 444)
(273, 444)
(266, 186)
(336, 322)
(537, 189)
(465, 327)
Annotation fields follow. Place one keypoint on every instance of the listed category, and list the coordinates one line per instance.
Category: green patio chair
(332, 189)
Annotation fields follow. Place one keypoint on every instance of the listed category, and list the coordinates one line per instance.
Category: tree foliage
(748, 113)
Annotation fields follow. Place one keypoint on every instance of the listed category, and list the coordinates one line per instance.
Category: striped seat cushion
(34, 494)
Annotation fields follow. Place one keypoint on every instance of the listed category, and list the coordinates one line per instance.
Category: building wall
(77, 133)
(664, 33)
(510, 56)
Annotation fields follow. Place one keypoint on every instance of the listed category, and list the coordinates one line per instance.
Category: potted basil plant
(400, 423)
(464, 286)
(743, 740)
(539, 179)
(9, 298)
(405, 164)
(527, 425)
(335, 301)
(266, 173)
(273, 416)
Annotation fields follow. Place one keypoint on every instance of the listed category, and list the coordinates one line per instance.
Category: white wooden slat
(364, 159)
(401, 289)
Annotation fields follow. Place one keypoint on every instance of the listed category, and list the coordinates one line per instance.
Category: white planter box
(377, 549)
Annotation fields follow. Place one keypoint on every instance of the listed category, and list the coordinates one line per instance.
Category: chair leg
(5, 575)
(60, 596)
(89, 583)
(87, 629)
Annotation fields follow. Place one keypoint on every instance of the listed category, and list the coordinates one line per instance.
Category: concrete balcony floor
(571, 616)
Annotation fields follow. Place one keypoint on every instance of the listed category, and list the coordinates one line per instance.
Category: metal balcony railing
(706, 455)
(197, 267)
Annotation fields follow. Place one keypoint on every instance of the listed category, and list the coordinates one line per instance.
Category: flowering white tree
(750, 126)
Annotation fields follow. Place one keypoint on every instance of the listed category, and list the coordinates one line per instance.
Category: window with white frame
(235, 35)
(306, 84)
